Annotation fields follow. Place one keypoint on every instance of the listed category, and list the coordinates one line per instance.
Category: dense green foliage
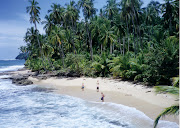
(123, 40)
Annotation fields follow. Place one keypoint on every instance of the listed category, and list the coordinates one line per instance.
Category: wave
(7, 59)
(11, 68)
(43, 108)
(4, 76)
(116, 112)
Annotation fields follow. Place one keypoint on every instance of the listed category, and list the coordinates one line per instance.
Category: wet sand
(116, 91)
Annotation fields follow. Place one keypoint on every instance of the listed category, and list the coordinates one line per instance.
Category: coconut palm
(34, 11)
(95, 26)
(172, 110)
(107, 35)
(56, 14)
(71, 16)
(56, 38)
(88, 11)
(111, 9)
(131, 10)
(48, 24)
(31, 39)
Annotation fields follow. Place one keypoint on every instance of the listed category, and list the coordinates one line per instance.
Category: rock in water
(21, 80)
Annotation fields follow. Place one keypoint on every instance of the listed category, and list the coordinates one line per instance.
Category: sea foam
(10, 68)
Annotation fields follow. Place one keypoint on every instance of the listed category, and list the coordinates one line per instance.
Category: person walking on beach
(97, 85)
(102, 96)
(82, 87)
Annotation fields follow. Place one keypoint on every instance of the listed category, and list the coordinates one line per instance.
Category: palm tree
(88, 11)
(34, 12)
(170, 11)
(111, 9)
(130, 10)
(56, 37)
(48, 24)
(107, 35)
(56, 14)
(71, 16)
(95, 27)
(31, 39)
(172, 110)
(119, 29)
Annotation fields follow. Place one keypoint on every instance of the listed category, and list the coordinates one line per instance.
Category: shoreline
(116, 91)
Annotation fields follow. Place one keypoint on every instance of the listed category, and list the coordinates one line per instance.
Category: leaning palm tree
(34, 11)
(172, 110)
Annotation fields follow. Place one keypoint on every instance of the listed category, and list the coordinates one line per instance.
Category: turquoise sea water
(36, 107)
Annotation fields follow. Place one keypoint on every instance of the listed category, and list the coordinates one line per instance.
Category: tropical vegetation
(121, 40)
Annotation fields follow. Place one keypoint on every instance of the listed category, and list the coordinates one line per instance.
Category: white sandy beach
(116, 91)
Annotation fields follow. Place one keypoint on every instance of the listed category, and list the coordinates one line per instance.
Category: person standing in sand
(102, 96)
(82, 87)
(97, 85)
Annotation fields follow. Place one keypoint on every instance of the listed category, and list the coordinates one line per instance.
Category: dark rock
(22, 69)
(148, 91)
(73, 74)
(36, 73)
(21, 80)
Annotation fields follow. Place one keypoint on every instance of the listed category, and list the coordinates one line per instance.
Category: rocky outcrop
(21, 80)
(22, 56)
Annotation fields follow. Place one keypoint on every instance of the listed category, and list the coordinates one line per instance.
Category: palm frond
(168, 111)
(167, 89)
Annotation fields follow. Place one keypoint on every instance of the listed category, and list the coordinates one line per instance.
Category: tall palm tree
(56, 38)
(71, 16)
(170, 11)
(88, 11)
(111, 9)
(95, 27)
(56, 14)
(31, 39)
(107, 35)
(131, 10)
(48, 24)
(34, 11)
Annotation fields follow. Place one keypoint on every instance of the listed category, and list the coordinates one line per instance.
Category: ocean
(35, 107)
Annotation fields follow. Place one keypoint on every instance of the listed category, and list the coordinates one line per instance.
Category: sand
(115, 90)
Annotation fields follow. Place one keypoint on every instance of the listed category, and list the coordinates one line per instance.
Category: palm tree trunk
(73, 39)
(123, 45)
(50, 63)
(134, 35)
(42, 54)
(101, 49)
(127, 33)
(90, 42)
(113, 48)
(119, 41)
(91, 50)
(110, 48)
(62, 53)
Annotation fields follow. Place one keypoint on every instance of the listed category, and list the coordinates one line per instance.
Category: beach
(117, 91)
